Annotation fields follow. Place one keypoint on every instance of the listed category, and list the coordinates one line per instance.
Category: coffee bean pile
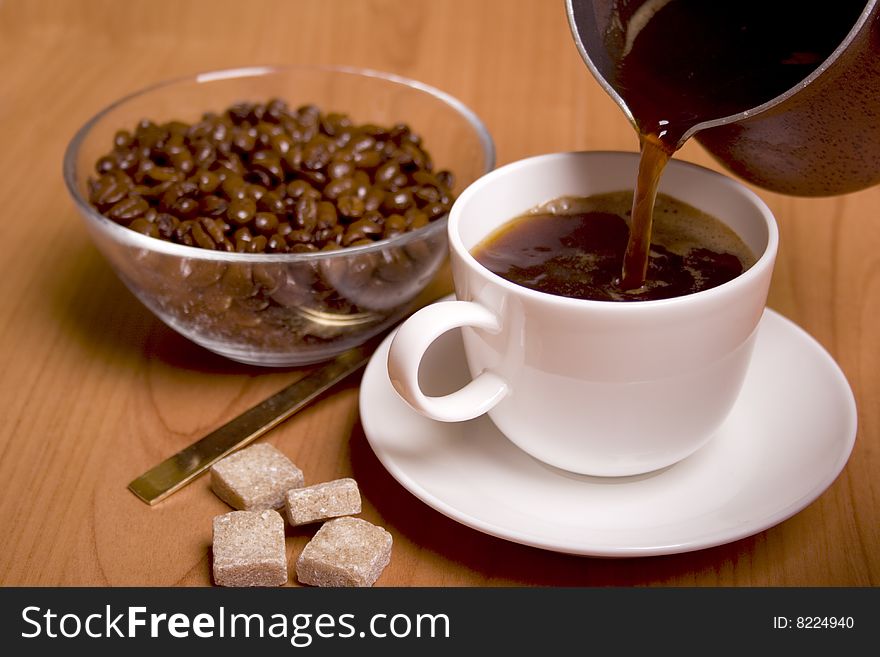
(262, 178)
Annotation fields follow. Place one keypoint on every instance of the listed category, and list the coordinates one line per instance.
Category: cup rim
(764, 262)
(132, 238)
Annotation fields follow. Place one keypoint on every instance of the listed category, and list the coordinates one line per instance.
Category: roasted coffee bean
(233, 186)
(241, 211)
(340, 169)
(268, 162)
(334, 123)
(258, 244)
(299, 237)
(350, 206)
(214, 302)
(105, 164)
(308, 115)
(141, 225)
(110, 189)
(244, 140)
(166, 225)
(342, 139)
(213, 205)
(185, 207)
(386, 173)
(268, 276)
(346, 274)
(326, 235)
(183, 161)
(249, 309)
(305, 248)
(128, 160)
(152, 193)
(316, 178)
(362, 142)
(163, 174)
(147, 133)
(204, 154)
(266, 222)
(425, 178)
(277, 244)
(398, 201)
(208, 181)
(298, 188)
(344, 154)
(122, 140)
(361, 183)
(238, 113)
(255, 191)
(446, 178)
(202, 273)
(265, 133)
(306, 213)
(367, 159)
(215, 228)
(435, 210)
(394, 266)
(271, 202)
(420, 251)
(373, 199)
(361, 229)
(181, 232)
(427, 194)
(260, 176)
(282, 144)
(171, 194)
(276, 109)
(128, 208)
(398, 182)
(202, 238)
(317, 154)
(238, 282)
(415, 218)
(327, 215)
(395, 224)
(338, 187)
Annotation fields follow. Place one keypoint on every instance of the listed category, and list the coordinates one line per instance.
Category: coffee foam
(677, 226)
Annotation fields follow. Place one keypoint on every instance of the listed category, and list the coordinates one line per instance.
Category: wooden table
(94, 389)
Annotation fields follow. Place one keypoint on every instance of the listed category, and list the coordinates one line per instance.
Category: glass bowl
(282, 309)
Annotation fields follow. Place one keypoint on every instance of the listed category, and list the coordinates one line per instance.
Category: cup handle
(412, 341)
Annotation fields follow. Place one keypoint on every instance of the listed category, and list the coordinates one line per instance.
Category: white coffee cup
(594, 387)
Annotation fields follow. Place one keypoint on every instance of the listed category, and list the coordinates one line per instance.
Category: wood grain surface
(94, 389)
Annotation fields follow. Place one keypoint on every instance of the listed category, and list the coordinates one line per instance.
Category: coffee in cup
(573, 247)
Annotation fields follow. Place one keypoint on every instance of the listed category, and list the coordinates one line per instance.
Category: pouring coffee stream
(785, 95)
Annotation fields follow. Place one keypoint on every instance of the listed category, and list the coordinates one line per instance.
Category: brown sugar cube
(255, 478)
(344, 552)
(330, 499)
(249, 550)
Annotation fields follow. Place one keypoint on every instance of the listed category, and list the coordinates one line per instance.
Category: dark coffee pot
(821, 137)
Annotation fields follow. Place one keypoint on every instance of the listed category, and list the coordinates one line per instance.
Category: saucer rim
(847, 436)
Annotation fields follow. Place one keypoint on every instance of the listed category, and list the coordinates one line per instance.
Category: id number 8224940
(813, 622)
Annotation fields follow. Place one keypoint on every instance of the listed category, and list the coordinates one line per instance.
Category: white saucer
(785, 442)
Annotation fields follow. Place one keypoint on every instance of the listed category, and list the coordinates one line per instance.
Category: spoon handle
(176, 471)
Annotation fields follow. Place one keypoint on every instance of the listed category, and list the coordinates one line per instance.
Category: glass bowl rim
(138, 240)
